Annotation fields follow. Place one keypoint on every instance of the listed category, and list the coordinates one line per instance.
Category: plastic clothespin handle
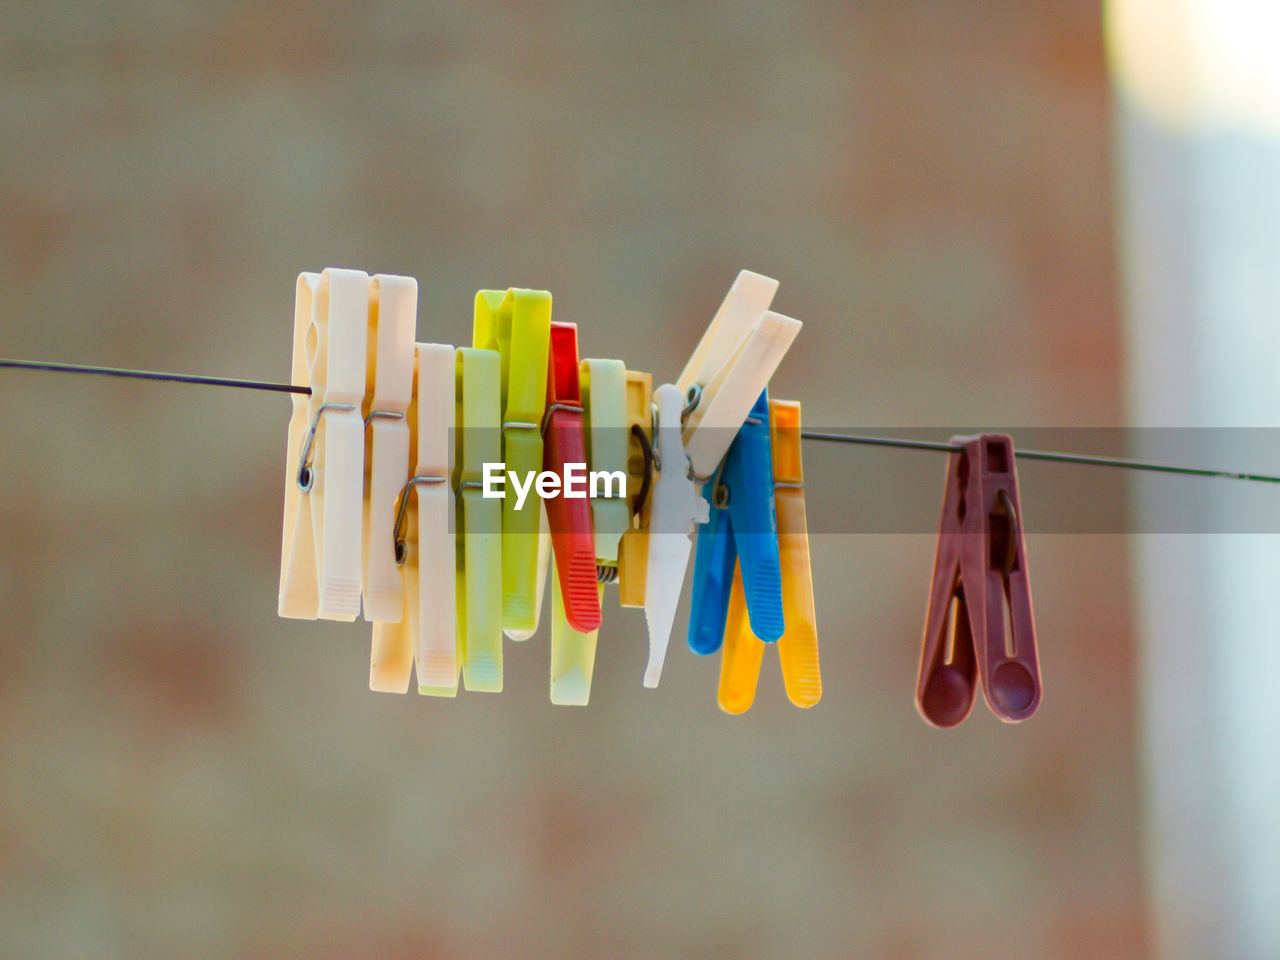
(479, 520)
(741, 656)
(572, 539)
(979, 566)
(715, 561)
(517, 324)
(746, 530)
(733, 362)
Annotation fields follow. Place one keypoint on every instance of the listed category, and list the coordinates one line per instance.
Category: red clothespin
(569, 518)
(979, 567)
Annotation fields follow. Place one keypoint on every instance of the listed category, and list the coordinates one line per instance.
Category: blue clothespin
(743, 528)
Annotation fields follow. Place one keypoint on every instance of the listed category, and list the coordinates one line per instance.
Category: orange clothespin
(798, 645)
(568, 513)
(979, 567)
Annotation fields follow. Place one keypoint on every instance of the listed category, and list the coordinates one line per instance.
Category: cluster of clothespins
(388, 504)
(387, 508)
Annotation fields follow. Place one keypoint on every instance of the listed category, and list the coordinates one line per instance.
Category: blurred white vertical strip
(1198, 190)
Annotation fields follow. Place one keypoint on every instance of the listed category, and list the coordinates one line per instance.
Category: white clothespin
(675, 508)
(324, 473)
(393, 317)
(422, 543)
(732, 363)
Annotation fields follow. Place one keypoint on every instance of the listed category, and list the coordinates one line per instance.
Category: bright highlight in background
(1197, 64)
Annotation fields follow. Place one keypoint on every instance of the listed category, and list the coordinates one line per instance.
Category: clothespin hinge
(305, 476)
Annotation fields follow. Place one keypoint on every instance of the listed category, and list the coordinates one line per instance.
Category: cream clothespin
(422, 543)
(393, 317)
(324, 471)
(732, 363)
(603, 387)
(676, 508)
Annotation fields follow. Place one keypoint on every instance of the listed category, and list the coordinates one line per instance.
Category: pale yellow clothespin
(324, 471)
(393, 315)
(422, 543)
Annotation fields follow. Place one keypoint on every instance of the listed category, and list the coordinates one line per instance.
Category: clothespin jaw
(979, 567)
(479, 519)
(743, 528)
(393, 317)
(732, 363)
(798, 645)
(572, 538)
(633, 548)
(741, 655)
(676, 510)
(517, 324)
(320, 563)
(422, 543)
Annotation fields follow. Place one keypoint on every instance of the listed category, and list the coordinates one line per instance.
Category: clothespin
(732, 363)
(569, 518)
(422, 543)
(979, 567)
(393, 317)
(676, 509)
(324, 472)
(517, 324)
(743, 526)
(633, 548)
(798, 645)
(603, 386)
(479, 519)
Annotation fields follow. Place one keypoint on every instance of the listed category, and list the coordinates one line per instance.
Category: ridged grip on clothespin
(572, 539)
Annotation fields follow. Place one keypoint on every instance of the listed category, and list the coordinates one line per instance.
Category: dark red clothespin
(979, 567)
(572, 539)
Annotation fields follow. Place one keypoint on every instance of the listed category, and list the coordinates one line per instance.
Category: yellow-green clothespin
(604, 412)
(517, 324)
(479, 519)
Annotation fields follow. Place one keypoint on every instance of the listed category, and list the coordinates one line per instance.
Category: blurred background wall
(182, 773)
(1197, 111)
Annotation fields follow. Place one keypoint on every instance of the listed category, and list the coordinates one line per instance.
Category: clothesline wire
(820, 436)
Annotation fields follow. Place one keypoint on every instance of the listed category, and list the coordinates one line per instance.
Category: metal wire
(1051, 456)
(154, 375)
(822, 437)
